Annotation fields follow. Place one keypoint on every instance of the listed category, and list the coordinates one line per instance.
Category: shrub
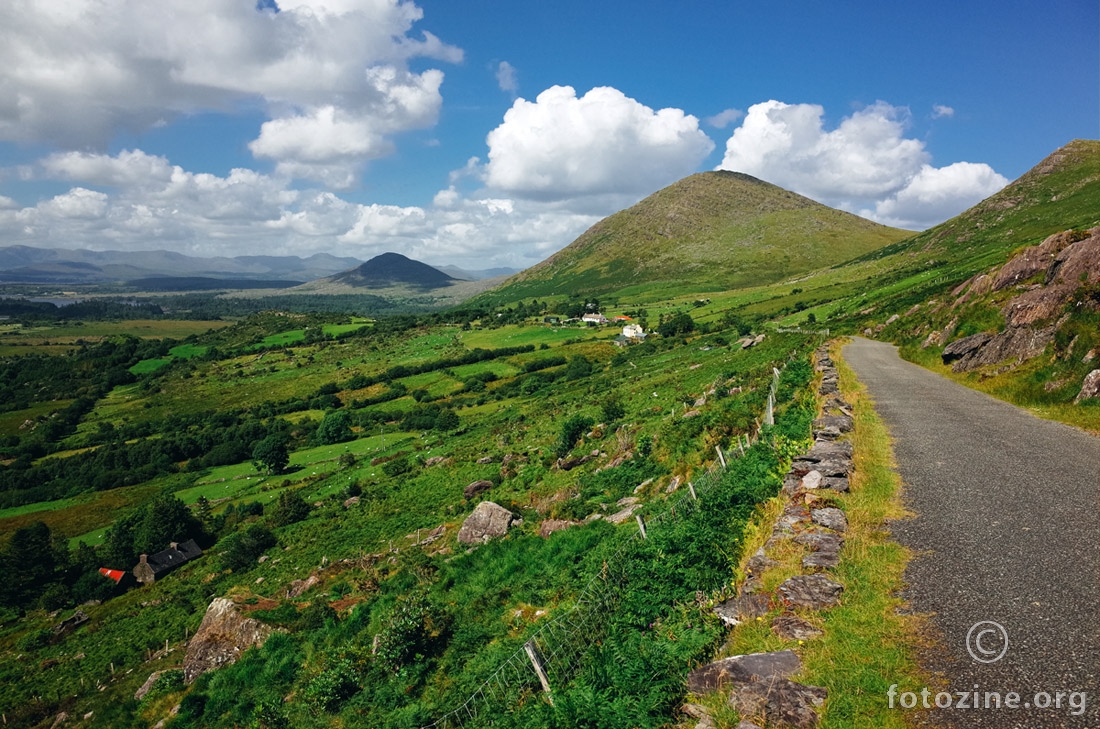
(571, 431)
(290, 508)
(242, 549)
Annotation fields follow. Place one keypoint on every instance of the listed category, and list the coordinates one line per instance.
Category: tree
(335, 428)
(681, 323)
(164, 519)
(579, 367)
(240, 550)
(271, 453)
(290, 508)
(447, 420)
(611, 408)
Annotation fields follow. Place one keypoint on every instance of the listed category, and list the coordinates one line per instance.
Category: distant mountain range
(24, 264)
(168, 271)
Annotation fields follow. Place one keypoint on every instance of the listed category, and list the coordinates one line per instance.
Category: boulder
(221, 638)
(821, 560)
(810, 591)
(843, 423)
(549, 526)
(1015, 342)
(962, 347)
(830, 518)
(353, 501)
(485, 459)
(820, 541)
(298, 587)
(1090, 387)
(780, 701)
(487, 521)
(147, 686)
(812, 480)
(742, 609)
(759, 562)
(476, 488)
(792, 627)
(1077, 263)
(742, 670)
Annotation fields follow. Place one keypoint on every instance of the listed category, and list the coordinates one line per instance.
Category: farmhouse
(152, 566)
(594, 319)
(633, 331)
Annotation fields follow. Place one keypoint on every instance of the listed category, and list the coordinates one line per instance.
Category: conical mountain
(393, 269)
(708, 231)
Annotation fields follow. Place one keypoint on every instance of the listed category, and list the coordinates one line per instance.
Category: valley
(326, 456)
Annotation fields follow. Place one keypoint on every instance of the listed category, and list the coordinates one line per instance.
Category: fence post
(691, 488)
(720, 456)
(536, 662)
(641, 525)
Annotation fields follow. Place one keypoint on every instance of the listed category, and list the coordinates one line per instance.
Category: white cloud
(561, 146)
(939, 111)
(149, 202)
(865, 164)
(723, 119)
(937, 194)
(74, 72)
(506, 77)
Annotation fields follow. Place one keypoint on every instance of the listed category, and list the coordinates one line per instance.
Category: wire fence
(552, 656)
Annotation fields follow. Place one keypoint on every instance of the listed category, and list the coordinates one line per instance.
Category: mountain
(393, 269)
(25, 264)
(709, 231)
(478, 275)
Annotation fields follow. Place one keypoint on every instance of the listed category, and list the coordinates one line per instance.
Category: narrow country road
(1007, 529)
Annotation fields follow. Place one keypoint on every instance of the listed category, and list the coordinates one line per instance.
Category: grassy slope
(710, 231)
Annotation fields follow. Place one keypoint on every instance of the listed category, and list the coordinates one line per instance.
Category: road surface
(1007, 530)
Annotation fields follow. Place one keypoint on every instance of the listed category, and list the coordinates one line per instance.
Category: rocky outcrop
(810, 591)
(1090, 388)
(224, 634)
(488, 521)
(781, 702)
(1066, 260)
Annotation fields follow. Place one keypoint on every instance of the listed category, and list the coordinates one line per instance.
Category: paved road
(1007, 529)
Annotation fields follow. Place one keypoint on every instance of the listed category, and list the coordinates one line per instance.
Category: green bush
(571, 431)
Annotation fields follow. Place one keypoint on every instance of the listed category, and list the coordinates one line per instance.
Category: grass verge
(869, 641)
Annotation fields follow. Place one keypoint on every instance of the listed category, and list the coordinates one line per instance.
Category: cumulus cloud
(936, 194)
(73, 72)
(506, 77)
(865, 164)
(940, 111)
(723, 119)
(246, 212)
(561, 146)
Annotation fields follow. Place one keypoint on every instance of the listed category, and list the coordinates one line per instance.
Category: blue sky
(487, 133)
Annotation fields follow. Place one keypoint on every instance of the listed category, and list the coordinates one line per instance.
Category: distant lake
(43, 300)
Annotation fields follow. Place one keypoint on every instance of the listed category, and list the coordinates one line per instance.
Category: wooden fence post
(540, 671)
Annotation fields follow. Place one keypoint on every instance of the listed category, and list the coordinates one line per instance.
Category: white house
(633, 331)
(594, 319)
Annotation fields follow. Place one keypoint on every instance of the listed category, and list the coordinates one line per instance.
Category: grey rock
(842, 423)
(147, 686)
(1090, 388)
(792, 627)
(743, 670)
(742, 609)
(828, 451)
(821, 560)
(782, 702)
(485, 459)
(812, 480)
(487, 521)
(836, 483)
(830, 518)
(221, 638)
(476, 488)
(821, 541)
(810, 591)
(830, 468)
(962, 347)
(759, 562)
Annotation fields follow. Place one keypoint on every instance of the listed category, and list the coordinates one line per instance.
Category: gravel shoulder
(1006, 529)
